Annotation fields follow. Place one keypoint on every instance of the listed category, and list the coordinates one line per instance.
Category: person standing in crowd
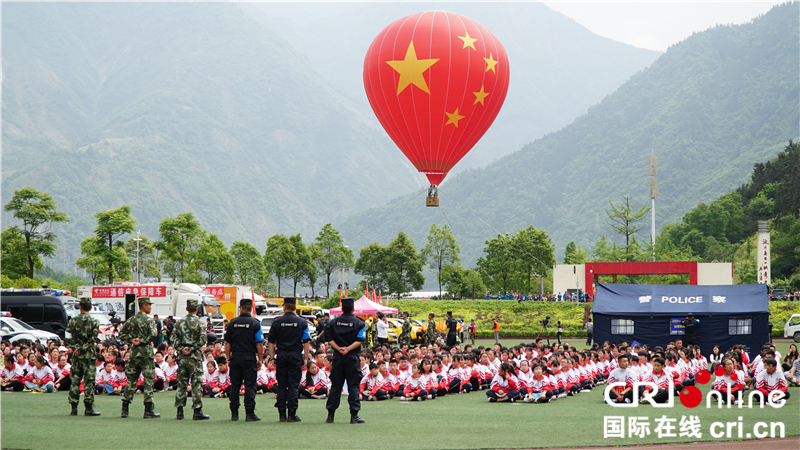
(472, 330)
(321, 325)
(496, 329)
(189, 338)
(289, 333)
(452, 330)
(383, 330)
(157, 340)
(589, 326)
(81, 336)
(559, 331)
(430, 333)
(345, 334)
(170, 324)
(690, 327)
(405, 333)
(139, 332)
(244, 345)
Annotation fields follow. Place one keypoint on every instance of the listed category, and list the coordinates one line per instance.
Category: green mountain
(558, 67)
(201, 107)
(709, 108)
(177, 107)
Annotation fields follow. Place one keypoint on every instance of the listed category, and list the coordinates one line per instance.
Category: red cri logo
(691, 396)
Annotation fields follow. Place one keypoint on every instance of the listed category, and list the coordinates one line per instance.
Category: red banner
(216, 291)
(119, 292)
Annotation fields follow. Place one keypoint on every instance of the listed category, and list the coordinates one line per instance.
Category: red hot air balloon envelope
(436, 81)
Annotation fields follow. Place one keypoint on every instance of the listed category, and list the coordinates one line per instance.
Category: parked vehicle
(13, 330)
(39, 308)
(792, 328)
(168, 300)
(779, 294)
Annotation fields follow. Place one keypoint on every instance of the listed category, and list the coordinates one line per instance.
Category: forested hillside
(710, 108)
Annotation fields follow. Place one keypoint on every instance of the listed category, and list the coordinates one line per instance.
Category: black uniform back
(288, 332)
(243, 333)
(345, 330)
(452, 331)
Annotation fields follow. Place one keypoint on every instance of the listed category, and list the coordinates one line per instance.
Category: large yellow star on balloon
(453, 117)
(490, 63)
(479, 96)
(411, 70)
(468, 41)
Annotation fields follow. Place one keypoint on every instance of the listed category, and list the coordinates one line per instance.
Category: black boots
(251, 417)
(148, 411)
(90, 410)
(198, 415)
(330, 416)
(293, 416)
(125, 409)
(179, 416)
(74, 409)
(354, 417)
(282, 414)
(234, 414)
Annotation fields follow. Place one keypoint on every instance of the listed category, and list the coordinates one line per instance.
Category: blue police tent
(652, 313)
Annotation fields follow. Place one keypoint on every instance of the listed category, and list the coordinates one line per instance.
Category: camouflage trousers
(189, 369)
(82, 368)
(137, 366)
(404, 340)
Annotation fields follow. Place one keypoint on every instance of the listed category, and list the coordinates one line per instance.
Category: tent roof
(366, 307)
(652, 299)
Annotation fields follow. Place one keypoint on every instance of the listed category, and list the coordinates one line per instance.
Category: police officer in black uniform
(289, 333)
(452, 329)
(244, 345)
(690, 329)
(345, 333)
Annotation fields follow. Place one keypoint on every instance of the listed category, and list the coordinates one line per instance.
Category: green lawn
(31, 421)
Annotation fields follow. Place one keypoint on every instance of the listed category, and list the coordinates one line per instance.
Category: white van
(792, 328)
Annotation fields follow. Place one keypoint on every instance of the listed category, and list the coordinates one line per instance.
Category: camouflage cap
(145, 300)
(191, 303)
(86, 302)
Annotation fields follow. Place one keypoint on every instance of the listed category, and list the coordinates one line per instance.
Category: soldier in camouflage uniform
(139, 332)
(188, 337)
(405, 333)
(431, 331)
(81, 336)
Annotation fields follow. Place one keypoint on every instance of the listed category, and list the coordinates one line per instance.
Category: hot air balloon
(436, 81)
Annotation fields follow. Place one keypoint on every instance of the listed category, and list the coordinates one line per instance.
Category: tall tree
(180, 238)
(215, 260)
(371, 265)
(249, 266)
(303, 262)
(94, 265)
(14, 260)
(403, 266)
(624, 220)
(441, 250)
(112, 225)
(499, 264)
(534, 254)
(330, 253)
(37, 212)
(279, 259)
(461, 282)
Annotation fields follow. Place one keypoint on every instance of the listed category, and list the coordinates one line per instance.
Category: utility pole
(137, 239)
(653, 171)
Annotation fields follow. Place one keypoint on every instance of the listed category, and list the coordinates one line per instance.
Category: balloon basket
(432, 201)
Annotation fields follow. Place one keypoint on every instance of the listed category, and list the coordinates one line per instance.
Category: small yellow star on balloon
(453, 117)
(468, 41)
(479, 96)
(490, 63)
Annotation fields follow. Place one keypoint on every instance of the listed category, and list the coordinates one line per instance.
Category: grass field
(467, 421)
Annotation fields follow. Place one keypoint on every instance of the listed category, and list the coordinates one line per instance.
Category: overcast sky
(656, 25)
